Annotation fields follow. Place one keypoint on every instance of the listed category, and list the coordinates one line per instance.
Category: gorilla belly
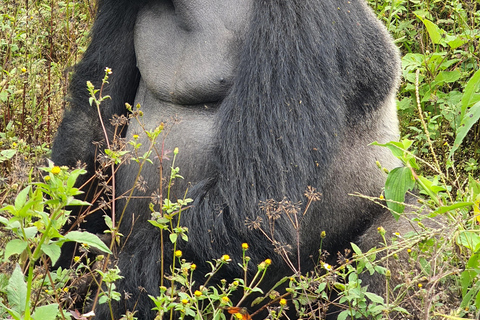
(186, 52)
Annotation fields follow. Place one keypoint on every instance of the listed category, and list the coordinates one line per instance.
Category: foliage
(439, 107)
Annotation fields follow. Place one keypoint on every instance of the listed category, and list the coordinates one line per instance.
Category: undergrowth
(439, 108)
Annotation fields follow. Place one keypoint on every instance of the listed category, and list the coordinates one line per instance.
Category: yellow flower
(420, 285)
(197, 293)
(235, 283)
(382, 197)
(323, 235)
(244, 246)
(193, 266)
(135, 136)
(175, 151)
(65, 289)
(76, 258)
(184, 301)
(108, 70)
(239, 316)
(226, 258)
(56, 170)
(225, 299)
(24, 69)
(14, 144)
(283, 302)
(47, 178)
(268, 262)
(326, 266)
(381, 230)
(178, 253)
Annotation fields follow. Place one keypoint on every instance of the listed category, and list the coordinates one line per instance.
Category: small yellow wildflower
(175, 151)
(65, 289)
(268, 262)
(135, 136)
(226, 258)
(56, 170)
(235, 283)
(382, 197)
(178, 253)
(163, 288)
(283, 302)
(197, 293)
(76, 258)
(327, 267)
(193, 266)
(47, 178)
(239, 316)
(184, 301)
(108, 70)
(381, 230)
(409, 250)
(24, 69)
(14, 144)
(397, 234)
(323, 235)
(420, 285)
(244, 246)
(225, 299)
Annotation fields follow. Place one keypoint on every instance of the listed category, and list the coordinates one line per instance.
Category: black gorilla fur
(314, 79)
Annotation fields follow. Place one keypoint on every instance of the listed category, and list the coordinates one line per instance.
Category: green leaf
(447, 77)
(7, 154)
(470, 118)
(399, 181)
(16, 246)
(343, 315)
(17, 290)
(173, 237)
(21, 198)
(52, 250)
(455, 206)
(469, 239)
(87, 238)
(48, 312)
(375, 298)
(30, 232)
(434, 31)
(469, 94)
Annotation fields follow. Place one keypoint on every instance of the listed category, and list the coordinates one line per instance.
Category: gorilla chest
(187, 50)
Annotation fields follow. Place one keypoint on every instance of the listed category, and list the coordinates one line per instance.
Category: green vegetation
(439, 108)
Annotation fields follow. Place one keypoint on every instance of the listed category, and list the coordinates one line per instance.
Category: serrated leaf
(52, 250)
(447, 77)
(48, 312)
(16, 246)
(374, 298)
(17, 290)
(30, 232)
(399, 181)
(87, 238)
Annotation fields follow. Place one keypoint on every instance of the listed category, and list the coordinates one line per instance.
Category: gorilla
(269, 98)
